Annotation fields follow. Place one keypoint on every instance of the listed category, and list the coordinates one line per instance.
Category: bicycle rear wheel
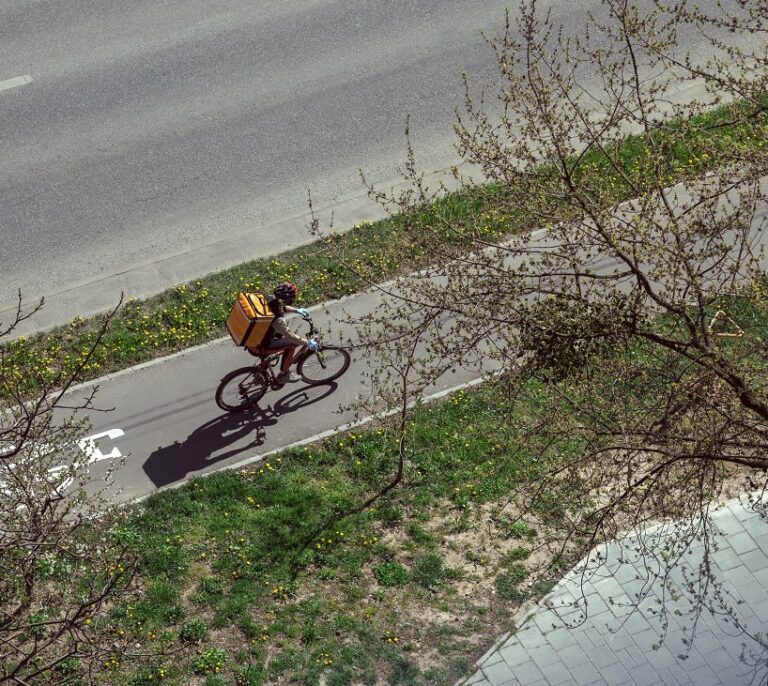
(324, 365)
(241, 389)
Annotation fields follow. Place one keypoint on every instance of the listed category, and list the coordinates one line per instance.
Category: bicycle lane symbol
(91, 448)
(90, 445)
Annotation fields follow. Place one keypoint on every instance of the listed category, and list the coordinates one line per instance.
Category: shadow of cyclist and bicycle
(228, 435)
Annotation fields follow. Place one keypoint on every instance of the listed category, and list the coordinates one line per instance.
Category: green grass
(260, 564)
(341, 264)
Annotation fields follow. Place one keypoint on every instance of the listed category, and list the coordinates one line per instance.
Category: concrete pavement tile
(619, 640)
(705, 642)
(530, 636)
(733, 646)
(704, 676)
(690, 659)
(566, 592)
(677, 635)
(662, 657)
(618, 605)
(634, 623)
(555, 673)
(761, 577)
(514, 681)
(753, 652)
(514, 654)
(727, 523)
(740, 580)
(615, 674)
(760, 535)
(543, 655)
(546, 622)
(684, 677)
(584, 674)
(719, 660)
(760, 612)
(627, 575)
(726, 559)
(610, 588)
(582, 638)
(572, 656)
(598, 610)
(747, 613)
(741, 542)
(563, 598)
(755, 560)
(499, 672)
(569, 585)
(631, 657)
(669, 677)
(742, 511)
(490, 658)
(747, 675)
(645, 640)
(643, 675)
(560, 639)
(565, 617)
(528, 671)
(602, 657)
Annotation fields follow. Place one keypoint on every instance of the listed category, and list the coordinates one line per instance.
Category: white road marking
(13, 83)
(89, 447)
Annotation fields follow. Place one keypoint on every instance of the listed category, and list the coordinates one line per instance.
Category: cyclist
(279, 336)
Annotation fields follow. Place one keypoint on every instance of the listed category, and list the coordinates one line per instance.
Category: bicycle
(244, 387)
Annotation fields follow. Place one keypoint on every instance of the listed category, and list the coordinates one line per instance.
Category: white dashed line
(13, 83)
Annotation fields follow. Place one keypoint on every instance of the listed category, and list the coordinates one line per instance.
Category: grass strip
(251, 577)
(195, 312)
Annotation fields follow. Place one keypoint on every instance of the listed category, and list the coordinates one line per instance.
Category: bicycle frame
(244, 387)
(271, 360)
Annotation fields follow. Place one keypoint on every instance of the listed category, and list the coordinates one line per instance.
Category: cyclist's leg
(288, 348)
(285, 364)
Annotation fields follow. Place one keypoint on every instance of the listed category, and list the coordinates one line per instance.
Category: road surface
(148, 143)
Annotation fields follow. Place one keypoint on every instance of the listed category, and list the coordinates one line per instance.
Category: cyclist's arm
(291, 336)
(281, 328)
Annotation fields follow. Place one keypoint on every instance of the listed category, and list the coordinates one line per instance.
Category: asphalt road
(148, 142)
(154, 129)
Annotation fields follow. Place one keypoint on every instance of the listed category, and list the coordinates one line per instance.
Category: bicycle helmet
(286, 292)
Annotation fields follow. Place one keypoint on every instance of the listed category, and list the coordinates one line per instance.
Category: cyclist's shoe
(288, 377)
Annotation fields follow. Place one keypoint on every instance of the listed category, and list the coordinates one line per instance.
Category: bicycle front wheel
(241, 389)
(324, 365)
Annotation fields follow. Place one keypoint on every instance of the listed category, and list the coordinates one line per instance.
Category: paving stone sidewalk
(629, 596)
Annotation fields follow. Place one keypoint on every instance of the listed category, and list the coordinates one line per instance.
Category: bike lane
(161, 419)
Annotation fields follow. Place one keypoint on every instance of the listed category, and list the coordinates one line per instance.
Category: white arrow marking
(14, 83)
(89, 447)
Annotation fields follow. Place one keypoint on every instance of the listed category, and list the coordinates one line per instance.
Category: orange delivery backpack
(249, 319)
